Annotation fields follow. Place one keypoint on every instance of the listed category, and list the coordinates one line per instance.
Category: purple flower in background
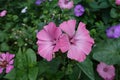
(79, 10)
(38, 2)
(113, 32)
(6, 62)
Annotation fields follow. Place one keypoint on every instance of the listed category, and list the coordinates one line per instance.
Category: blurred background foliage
(18, 35)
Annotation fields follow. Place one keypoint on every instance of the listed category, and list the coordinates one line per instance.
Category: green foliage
(87, 68)
(108, 52)
(25, 66)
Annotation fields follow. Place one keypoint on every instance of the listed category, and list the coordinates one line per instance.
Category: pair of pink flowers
(6, 62)
(66, 4)
(3, 13)
(77, 43)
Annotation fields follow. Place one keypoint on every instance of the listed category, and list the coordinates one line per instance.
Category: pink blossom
(65, 4)
(77, 43)
(48, 41)
(117, 2)
(6, 62)
(107, 72)
(3, 13)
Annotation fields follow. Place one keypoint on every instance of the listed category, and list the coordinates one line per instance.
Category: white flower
(24, 10)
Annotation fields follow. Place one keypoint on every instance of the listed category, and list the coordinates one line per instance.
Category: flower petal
(83, 34)
(42, 33)
(47, 53)
(43, 45)
(9, 56)
(76, 54)
(11, 62)
(3, 56)
(64, 43)
(1, 70)
(51, 29)
(68, 27)
(84, 46)
(9, 68)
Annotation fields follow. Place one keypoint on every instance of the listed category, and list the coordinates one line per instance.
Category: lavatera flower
(107, 72)
(77, 43)
(6, 62)
(48, 41)
(66, 4)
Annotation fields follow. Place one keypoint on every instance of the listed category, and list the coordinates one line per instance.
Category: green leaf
(43, 66)
(53, 69)
(113, 13)
(87, 68)
(76, 74)
(21, 74)
(76, 1)
(107, 51)
(3, 36)
(104, 4)
(21, 66)
(33, 72)
(19, 61)
(4, 47)
(11, 75)
(31, 57)
(94, 5)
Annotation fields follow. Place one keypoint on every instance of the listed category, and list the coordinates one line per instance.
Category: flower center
(112, 30)
(72, 41)
(105, 69)
(66, 1)
(3, 64)
(54, 42)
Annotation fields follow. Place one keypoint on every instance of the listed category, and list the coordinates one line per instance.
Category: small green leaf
(33, 72)
(76, 1)
(76, 74)
(3, 36)
(11, 75)
(113, 13)
(104, 4)
(4, 47)
(87, 68)
(19, 61)
(31, 57)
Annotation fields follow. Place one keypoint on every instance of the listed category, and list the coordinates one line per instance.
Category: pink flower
(117, 2)
(107, 72)
(48, 41)
(65, 4)
(6, 62)
(77, 43)
(3, 13)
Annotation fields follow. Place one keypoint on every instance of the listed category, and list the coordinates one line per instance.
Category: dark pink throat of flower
(105, 69)
(72, 41)
(66, 1)
(3, 64)
(54, 42)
